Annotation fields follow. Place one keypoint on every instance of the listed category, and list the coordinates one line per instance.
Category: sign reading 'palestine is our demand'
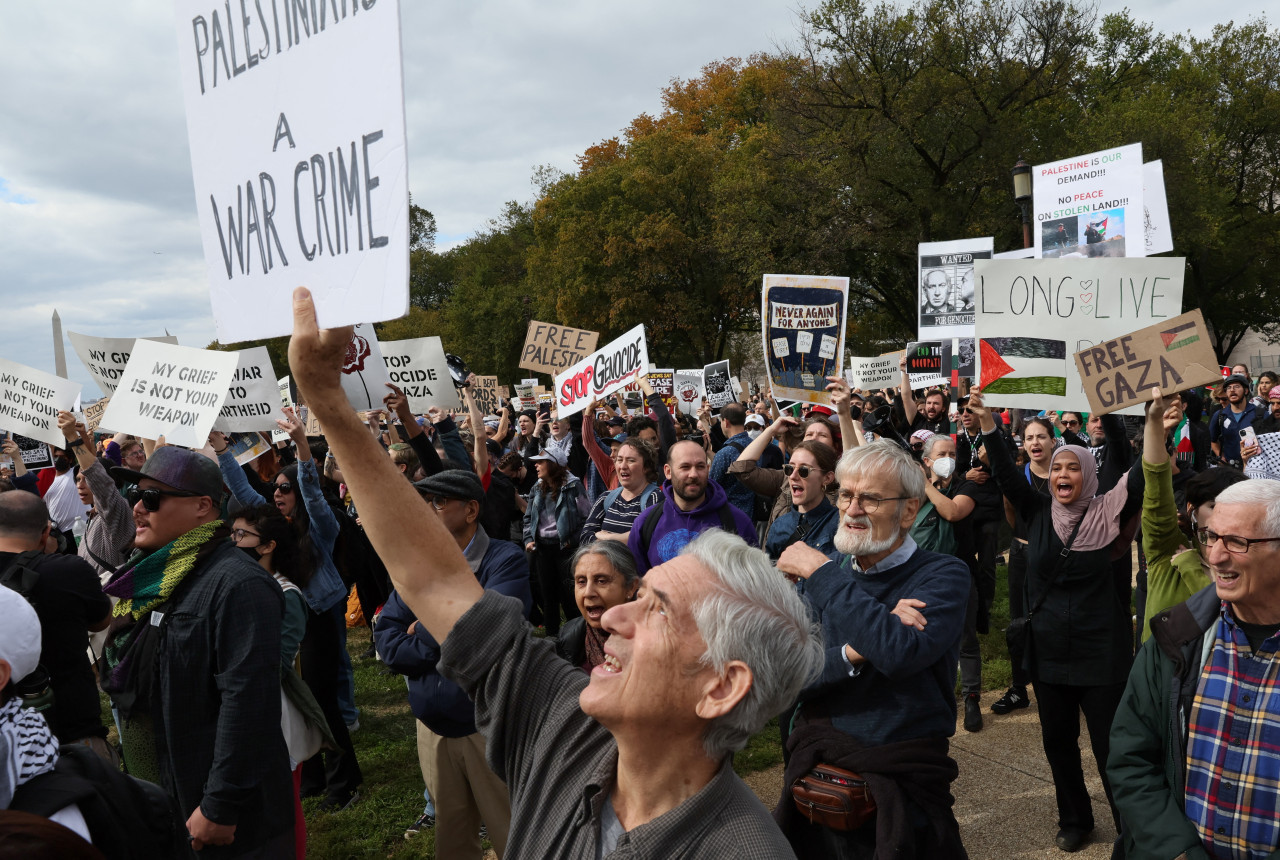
(295, 116)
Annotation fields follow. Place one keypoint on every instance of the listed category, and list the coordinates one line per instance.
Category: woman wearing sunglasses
(316, 528)
(812, 518)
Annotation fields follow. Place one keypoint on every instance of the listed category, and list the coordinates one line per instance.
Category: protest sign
(311, 422)
(31, 399)
(718, 385)
(663, 383)
(945, 276)
(485, 392)
(525, 389)
(796, 312)
(106, 357)
(253, 397)
(602, 372)
(876, 372)
(929, 363)
(35, 454)
(247, 447)
(364, 373)
(93, 415)
(688, 390)
(551, 348)
(171, 391)
(1088, 205)
(967, 366)
(418, 368)
(1033, 315)
(1171, 355)
(286, 402)
(299, 161)
(1155, 222)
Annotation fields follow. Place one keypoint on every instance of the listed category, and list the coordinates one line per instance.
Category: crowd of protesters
(593, 612)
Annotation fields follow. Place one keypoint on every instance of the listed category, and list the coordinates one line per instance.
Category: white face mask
(943, 467)
(753, 433)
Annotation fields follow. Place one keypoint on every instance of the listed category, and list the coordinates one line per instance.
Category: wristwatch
(74, 442)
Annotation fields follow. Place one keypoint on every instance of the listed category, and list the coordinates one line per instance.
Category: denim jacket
(569, 516)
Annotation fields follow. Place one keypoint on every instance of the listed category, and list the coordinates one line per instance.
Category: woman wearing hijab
(1079, 650)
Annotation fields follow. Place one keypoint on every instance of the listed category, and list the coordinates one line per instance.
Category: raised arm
(599, 456)
(428, 457)
(481, 450)
(421, 556)
(904, 387)
(666, 427)
(841, 400)
(1013, 484)
(232, 475)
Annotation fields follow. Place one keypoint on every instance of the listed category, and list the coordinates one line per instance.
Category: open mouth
(595, 613)
(1063, 489)
(611, 664)
(1226, 575)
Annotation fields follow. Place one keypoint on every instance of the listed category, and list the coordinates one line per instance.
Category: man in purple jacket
(690, 504)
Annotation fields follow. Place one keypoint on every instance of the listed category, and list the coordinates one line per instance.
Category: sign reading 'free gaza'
(295, 116)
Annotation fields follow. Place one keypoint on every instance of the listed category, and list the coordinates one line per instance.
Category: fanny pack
(833, 797)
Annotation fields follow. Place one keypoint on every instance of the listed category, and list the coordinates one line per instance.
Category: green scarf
(151, 581)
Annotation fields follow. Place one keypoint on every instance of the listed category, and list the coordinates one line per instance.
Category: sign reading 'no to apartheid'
(603, 372)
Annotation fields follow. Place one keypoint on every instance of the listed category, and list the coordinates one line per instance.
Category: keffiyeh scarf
(27, 748)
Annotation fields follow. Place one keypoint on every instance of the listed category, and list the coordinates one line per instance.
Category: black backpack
(127, 817)
(655, 514)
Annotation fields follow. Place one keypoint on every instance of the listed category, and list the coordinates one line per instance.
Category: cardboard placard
(1090, 205)
(93, 415)
(663, 383)
(418, 367)
(1172, 355)
(485, 392)
(550, 348)
(297, 134)
(718, 384)
(945, 272)
(171, 391)
(253, 397)
(799, 312)
(602, 372)
(689, 391)
(31, 399)
(106, 357)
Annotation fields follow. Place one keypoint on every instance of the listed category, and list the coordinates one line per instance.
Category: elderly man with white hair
(892, 616)
(636, 760)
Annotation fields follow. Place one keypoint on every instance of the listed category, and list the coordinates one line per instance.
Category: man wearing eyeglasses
(885, 704)
(1194, 764)
(193, 663)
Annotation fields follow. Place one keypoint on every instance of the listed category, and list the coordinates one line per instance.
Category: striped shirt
(1233, 747)
(618, 518)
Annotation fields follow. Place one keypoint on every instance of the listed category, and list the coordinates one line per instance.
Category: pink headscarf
(1101, 525)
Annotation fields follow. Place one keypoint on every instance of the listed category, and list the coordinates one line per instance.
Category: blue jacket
(569, 518)
(822, 522)
(440, 704)
(740, 496)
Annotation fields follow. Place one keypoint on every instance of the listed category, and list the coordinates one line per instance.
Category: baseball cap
(19, 635)
(452, 484)
(756, 419)
(553, 455)
(180, 468)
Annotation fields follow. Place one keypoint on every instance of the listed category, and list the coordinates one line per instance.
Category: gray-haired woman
(604, 576)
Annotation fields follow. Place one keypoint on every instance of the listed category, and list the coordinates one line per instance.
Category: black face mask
(61, 463)
(251, 551)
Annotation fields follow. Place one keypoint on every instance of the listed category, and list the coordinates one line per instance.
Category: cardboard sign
(485, 392)
(106, 357)
(36, 455)
(1033, 315)
(364, 373)
(719, 385)
(93, 415)
(1090, 205)
(418, 367)
(798, 312)
(171, 391)
(689, 391)
(603, 372)
(880, 371)
(31, 399)
(929, 363)
(297, 134)
(1173, 355)
(945, 272)
(550, 348)
(253, 398)
(663, 383)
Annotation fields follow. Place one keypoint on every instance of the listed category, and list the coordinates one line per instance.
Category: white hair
(882, 456)
(1258, 491)
(754, 615)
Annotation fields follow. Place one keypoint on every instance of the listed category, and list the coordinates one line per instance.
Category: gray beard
(856, 545)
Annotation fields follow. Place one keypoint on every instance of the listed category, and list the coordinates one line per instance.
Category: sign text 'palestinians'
(803, 322)
(30, 400)
(298, 155)
(253, 398)
(418, 367)
(171, 391)
(603, 372)
(106, 357)
(551, 348)
(1033, 315)
(1172, 355)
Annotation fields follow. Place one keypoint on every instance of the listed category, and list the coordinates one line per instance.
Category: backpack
(21, 577)
(651, 524)
(127, 817)
(613, 495)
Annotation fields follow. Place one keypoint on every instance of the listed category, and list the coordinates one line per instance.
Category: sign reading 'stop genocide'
(295, 116)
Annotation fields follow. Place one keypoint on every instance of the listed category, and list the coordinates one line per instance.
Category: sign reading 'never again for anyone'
(171, 391)
(295, 116)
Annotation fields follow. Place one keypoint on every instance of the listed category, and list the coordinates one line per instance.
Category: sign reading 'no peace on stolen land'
(295, 116)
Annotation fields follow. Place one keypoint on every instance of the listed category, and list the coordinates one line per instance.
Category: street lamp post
(1022, 194)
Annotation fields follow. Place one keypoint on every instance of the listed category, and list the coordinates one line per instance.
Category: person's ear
(909, 511)
(6, 672)
(266, 548)
(722, 693)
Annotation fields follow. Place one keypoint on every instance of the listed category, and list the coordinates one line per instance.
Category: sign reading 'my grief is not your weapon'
(295, 115)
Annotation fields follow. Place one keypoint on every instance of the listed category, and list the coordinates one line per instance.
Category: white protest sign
(31, 399)
(1034, 315)
(1155, 223)
(781, 348)
(804, 341)
(296, 126)
(253, 398)
(286, 401)
(105, 357)
(945, 272)
(418, 368)
(171, 391)
(827, 348)
(602, 372)
(876, 372)
(364, 373)
(689, 391)
(1090, 205)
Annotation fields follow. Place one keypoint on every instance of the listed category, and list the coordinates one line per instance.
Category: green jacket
(1173, 574)
(1147, 764)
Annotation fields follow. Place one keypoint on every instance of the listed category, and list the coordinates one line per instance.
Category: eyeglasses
(803, 471)
(869, 504)
(437, 502)
(1233, 544)
(284, 487)
(135, 454)
(238, 535)
(151, 498)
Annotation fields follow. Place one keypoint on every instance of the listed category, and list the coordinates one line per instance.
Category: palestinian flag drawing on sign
(1023, 365)
(1183, 335)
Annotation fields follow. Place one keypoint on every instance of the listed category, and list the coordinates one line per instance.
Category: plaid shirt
(1233, 747)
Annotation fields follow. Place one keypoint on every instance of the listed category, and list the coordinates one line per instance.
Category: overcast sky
(97, 210)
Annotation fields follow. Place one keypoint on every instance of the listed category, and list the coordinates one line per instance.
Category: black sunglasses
(803, 470)
(151, 498)
(284, 487)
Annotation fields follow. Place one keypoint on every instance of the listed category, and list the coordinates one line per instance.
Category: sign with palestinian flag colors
(1033, 315)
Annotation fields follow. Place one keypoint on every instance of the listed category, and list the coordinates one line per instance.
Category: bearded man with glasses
(192, 663)
(885, 704)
